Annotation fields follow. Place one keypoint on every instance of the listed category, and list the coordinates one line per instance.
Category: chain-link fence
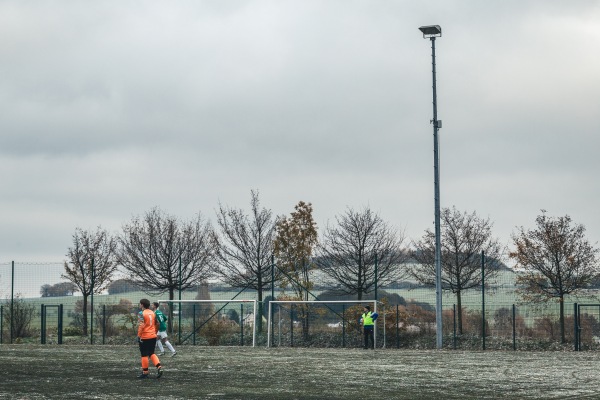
(38, 305)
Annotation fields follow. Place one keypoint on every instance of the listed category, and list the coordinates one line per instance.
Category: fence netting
(39, 305)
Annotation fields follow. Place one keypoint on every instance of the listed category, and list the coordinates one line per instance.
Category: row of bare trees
(355, 253)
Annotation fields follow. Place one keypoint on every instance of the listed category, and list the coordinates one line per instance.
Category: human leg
(146, 349)
(161, 349)
(369, 337)
(170, 346)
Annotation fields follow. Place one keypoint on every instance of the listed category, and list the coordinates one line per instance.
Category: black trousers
(369, 336)
(147, 347)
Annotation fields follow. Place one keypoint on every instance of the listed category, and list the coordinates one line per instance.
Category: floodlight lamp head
(431, 31)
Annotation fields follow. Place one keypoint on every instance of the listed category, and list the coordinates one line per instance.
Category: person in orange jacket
(147, 328)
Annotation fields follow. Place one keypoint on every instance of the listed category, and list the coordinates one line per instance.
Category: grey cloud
(112, 108)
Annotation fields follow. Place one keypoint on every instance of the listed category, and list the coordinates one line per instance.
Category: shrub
(73, 331)
(105, 316)
(20, 318)
(215, 329)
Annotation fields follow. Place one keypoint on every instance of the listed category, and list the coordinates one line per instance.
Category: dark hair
(145, 303)
(368, 308)
(156, 304)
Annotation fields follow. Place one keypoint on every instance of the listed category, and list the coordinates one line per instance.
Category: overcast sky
(111, 108)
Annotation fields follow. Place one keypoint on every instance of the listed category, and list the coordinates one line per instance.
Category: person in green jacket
(162, 331)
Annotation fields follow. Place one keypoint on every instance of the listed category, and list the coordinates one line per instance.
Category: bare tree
(245, 247)
(92, 262)
(557, 260)
(294, 244)
(463, 237)
(164, 254)
(360, 244)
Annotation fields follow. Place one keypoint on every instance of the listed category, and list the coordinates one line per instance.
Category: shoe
(142, 376)
(159, 373)
(161, 354)
(174, 354)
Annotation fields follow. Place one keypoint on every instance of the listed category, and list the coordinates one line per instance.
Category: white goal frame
(223, 301)
(374, 302)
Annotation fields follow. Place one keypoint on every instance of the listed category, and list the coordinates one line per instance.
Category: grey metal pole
(438, 246)
(92, 305)
(12, 303)
(483, 299)
(179, 306)
(272, 293)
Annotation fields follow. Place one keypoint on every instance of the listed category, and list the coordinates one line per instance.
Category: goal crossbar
(254, 302)
(270, 315)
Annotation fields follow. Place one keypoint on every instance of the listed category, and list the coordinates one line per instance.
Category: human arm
(140, 324)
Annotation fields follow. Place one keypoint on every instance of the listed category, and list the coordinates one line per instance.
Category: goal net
(226, 316)
(332, 322)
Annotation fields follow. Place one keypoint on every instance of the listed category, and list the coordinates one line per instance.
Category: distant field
(109, 372)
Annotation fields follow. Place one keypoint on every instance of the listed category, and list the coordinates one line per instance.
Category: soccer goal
(250, 320)
(325, 305)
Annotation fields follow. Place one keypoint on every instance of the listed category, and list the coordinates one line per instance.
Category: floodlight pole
(432, 32)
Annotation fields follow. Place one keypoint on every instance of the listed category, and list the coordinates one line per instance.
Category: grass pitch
(109, 372)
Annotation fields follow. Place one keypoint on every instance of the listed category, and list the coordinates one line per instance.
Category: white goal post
(254, 302)
(374, 302)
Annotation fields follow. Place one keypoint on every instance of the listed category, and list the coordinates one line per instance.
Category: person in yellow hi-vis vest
(368, 321)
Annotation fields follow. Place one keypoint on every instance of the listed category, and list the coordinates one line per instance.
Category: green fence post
(291, 325)
(194, 324)
(454, 325)
(376, 278)
(397, 326)
(241, 324)
(514, 326)
(60, 324)
(42, 325)
(576, 336)
(103, 323)
(343, 325)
